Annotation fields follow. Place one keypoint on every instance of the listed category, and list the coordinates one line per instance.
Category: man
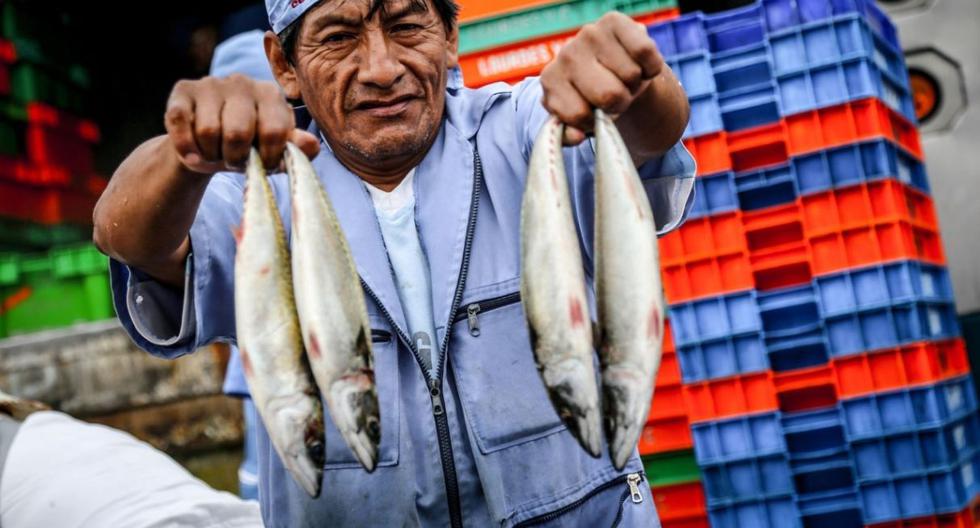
(59, 471)
(426, 182)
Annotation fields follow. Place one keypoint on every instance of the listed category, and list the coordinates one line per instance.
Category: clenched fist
(607, 65)
(213, 122)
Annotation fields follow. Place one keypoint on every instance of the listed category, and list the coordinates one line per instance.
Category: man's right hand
(213, 122)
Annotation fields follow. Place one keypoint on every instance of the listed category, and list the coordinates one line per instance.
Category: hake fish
(628, 295)
(332, 312)
(269, 338)
(553, 291)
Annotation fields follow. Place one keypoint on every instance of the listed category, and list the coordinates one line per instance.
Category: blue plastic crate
(742, 68)
(931, 448)
(827, 474)
(909, 409)
(694, 73)
(927, 493)
(889, 326)
(723, 357)
(747, 478)
(749, 107)
(857, 163)
(680, 36)
(789, 311)
(766, 187)
(771, 512)
(819, 10)
(838, 508)
(881, 285)
(715, 317)
(792, 352)
(713, 194)
(833, 40)
(841, 82)
(705, 116)
(736, 28)
(814, 434)
(737, 438)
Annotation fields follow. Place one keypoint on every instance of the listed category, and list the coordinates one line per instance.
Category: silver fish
(553, 291)
(628, 294)
(332, 312)
(269, 338)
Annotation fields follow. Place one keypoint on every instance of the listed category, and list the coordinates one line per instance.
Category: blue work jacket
(479, 442)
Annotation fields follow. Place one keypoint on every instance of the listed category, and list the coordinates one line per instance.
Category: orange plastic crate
(681, 505)
(891, 368)
(514, 62)
(789, 244)
(801, 134)
(476, 9)
(667, 427)
(46, 205)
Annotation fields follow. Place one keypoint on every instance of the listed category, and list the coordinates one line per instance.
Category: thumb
(306, 142)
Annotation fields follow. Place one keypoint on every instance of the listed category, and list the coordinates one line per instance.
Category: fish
(332, 312)
(268, 333)
(629, 299)
(553, 292)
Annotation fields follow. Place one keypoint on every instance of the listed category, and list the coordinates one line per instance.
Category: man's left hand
(607, 66)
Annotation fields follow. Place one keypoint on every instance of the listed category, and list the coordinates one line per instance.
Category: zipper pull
(634, 483)
(474, 323)
(435, 393)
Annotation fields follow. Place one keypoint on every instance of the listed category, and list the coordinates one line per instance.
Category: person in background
(56, 471)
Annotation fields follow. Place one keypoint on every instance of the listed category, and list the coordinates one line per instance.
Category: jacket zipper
(380, 336)
(435, 383)
(471, 311)
(631, 479)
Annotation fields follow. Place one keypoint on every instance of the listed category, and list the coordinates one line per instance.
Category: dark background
(135, 51)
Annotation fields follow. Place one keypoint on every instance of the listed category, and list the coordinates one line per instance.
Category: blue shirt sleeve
(170, 323)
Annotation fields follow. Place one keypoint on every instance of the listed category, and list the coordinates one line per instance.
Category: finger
(602, 89)
(276, 122)
(237, 130)
(572, 136)
(179, 122)
(633, 37)
(565, 102)
(306, 142)
(614, 56)
(207, 123)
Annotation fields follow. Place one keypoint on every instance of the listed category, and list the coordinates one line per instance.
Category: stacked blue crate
(799, 464)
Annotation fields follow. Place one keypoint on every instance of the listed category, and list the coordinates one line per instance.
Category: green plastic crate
(23, 19)
(30, 82)
(671, 468)
(59, 65)
(60, 288)
(547, 20)
(18, 235)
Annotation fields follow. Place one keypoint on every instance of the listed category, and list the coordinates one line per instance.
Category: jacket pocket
(502, 395)
(385, 350)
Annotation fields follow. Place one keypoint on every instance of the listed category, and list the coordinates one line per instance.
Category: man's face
(373, 75)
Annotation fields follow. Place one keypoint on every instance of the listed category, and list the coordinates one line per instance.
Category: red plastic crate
(968, 518)
(790, 244)
(681, 505)
(54, 138)
(23, 171)
(514, 62)
(822, 386)
(8, 54)
(46, 205)
(800, 134)
(667, 427)
(4, 80)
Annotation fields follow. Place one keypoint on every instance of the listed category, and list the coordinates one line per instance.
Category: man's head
(371, 72)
